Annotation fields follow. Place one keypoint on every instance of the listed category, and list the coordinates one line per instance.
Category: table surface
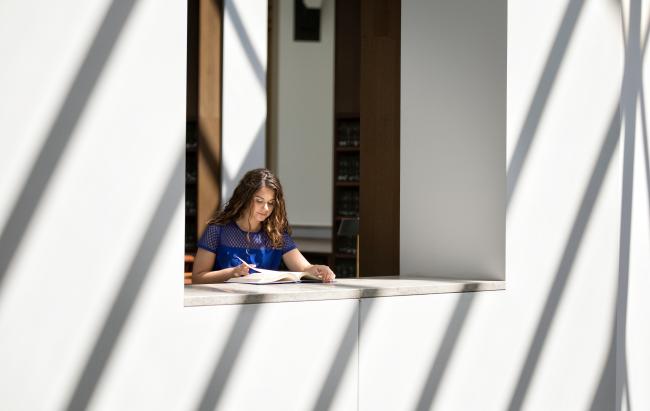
(343, 288)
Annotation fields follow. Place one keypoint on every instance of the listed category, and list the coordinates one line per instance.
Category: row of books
(346, 245)
(347, 133)
(347, 203)
(191, 144)
(347, 168)
(345, 268)
(190, 177)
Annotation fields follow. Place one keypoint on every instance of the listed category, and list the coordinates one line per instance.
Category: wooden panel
(380, 135)
(347, 57)
(192, 88)
(209, 109)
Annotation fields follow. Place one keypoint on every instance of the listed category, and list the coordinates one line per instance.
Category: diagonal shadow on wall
(566, 263)
(217, 383)
(214, 389)
(215, 166)
(447, 346)
(347, 346)
(542, 93)
(364, 315)
(230, 181)
(632, 83)
(130, 288)
(646, 37)
(246, 43)
(632, 91)
(61, 131)
(608, 386)
(606, 390)
(224, 178)
(646, 149)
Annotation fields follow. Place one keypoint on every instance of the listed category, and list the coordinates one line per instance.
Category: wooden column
(346, 55)
(209, 109)
(380, 137)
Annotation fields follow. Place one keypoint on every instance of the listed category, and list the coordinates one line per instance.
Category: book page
(292, 274)
(263, 278)
(267, 277)
(298, 276)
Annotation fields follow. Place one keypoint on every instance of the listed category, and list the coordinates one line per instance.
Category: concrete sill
(344, 288)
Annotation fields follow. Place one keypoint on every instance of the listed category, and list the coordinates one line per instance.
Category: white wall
(568, 333)
(305, 104)
(90, 298)
(633, 326)
(94, 99)
(243, 143)
(91, 310)
(453, 104)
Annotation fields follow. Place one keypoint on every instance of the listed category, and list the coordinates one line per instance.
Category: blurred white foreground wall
(92, 114)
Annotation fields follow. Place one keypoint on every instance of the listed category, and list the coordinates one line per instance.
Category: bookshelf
(191, 150)
(346, 153)
(347, 159)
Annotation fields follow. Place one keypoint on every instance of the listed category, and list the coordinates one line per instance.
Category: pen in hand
(243, 262)
(250, 266)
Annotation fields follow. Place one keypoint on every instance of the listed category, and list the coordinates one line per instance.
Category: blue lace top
(228, 242)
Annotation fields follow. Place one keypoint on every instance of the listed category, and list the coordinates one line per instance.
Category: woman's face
(262, 204)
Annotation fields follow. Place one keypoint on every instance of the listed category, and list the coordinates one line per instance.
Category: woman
(253, 226)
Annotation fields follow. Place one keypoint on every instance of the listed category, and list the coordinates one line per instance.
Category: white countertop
(343, 288)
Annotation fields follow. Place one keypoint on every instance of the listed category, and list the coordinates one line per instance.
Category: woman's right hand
(240, 271)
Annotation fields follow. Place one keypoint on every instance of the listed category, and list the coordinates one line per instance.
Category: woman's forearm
(210, 277)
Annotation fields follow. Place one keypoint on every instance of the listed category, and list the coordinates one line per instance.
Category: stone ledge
(344, 288)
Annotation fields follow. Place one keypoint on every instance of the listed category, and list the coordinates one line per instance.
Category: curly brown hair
(276, 224)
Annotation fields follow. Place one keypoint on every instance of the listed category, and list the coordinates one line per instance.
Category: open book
(274, 277)
(263, 276)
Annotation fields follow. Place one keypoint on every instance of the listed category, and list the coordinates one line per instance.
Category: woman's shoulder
(287, 241)
(286, 233)
(220, 225)
(218, 228)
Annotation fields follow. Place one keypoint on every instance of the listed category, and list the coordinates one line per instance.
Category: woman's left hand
(323, 272)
